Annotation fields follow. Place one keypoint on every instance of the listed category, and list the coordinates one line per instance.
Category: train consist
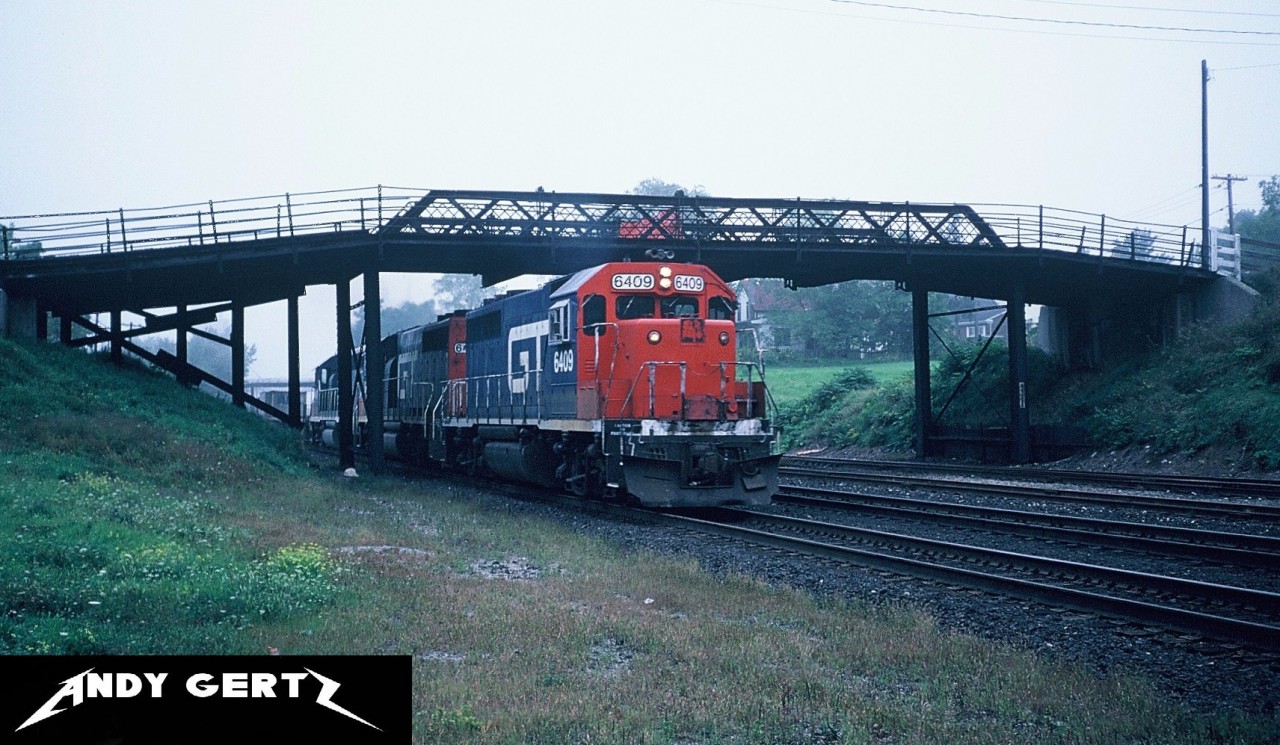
(618, 381)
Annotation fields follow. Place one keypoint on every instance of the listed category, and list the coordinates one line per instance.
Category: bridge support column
(1019, 415)
(180, 341)
(18, 316)
(346, 396)
(64, 328)
(237, 354)
(116, 329)
(920, 353)
(373, 367)
(295, 366)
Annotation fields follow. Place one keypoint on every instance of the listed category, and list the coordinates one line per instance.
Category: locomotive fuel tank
(529, 461)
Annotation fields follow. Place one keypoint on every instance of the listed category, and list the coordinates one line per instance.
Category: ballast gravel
(1202, 674)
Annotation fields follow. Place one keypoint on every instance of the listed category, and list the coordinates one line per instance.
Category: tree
(656, 187)
(850, 319)
(210, 356)
(1263, 224)
(450, 292)
(15, 249)
(1138, 243)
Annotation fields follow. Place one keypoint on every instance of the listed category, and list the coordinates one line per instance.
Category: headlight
(665, 283)
(665, 271)
(724, 338)
(654, 337)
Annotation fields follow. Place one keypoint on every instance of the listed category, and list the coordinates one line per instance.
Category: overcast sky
(1069, 103)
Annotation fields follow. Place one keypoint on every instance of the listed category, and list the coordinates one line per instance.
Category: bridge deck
(258, 250)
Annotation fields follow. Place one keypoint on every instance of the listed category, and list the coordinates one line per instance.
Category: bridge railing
(397, 212)
(201, 223)
(1023, 226)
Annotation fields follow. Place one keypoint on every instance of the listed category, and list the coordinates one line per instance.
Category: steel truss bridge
(192, 261)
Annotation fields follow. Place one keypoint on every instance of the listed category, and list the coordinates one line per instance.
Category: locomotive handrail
(414, 399)
(602, 398)
(494, 401)
(770, 406)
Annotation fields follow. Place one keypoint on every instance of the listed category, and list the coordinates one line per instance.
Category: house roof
(769, 295)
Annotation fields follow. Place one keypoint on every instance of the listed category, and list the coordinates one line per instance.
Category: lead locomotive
(618, 380)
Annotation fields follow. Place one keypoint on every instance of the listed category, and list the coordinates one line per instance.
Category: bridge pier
(374, 384)
(18, 314)
(295, 369)
(1019, 416)
(237, 354)
(180, 340)
(117, 328)
(920, 356)
(346, 378)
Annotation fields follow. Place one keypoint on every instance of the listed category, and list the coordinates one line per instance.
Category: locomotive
(619, 381)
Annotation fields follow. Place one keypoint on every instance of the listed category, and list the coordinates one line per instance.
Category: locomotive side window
(560, 323)
(593, 315)
(721, 309)
(634, 306)
(679, 307)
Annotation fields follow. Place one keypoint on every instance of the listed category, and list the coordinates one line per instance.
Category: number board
(689, 283)
(633, 281)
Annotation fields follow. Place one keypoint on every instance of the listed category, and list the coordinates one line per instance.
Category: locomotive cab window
(721, 309)
(560, 323)
(593, 315)
(629, 307)
(679, 307)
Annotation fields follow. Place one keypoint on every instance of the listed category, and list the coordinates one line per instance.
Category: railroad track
(1222, 611)
(1228, 613)
(1239, 549)
(1250, 510)
(1186, 484)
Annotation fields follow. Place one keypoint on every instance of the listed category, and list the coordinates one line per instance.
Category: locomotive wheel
(586, 479)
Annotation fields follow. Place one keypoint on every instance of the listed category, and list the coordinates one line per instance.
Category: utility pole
(1231, 205)
(1204, 163)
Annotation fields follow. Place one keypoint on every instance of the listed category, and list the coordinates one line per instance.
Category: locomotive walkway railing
(392, 213)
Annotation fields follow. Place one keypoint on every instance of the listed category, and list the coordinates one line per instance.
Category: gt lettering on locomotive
(524, 345)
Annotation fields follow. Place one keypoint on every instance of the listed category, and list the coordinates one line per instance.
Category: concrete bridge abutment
(1094, 335)
(19, 316)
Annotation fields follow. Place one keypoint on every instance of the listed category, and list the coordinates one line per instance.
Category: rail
(399, 212)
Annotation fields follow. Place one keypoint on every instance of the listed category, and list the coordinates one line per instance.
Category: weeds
(240, 551)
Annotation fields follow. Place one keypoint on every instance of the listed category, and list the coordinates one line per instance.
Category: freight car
(619, 381)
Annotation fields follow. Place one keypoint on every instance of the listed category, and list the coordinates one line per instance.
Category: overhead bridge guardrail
(396, 212)
(1090, 234)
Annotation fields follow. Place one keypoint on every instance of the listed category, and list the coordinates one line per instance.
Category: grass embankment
(790, 382)
(138, 517)
(1217, 388)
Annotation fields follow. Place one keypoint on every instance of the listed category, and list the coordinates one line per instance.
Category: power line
(1179, 195)
(1041, 32)
(1245, 67)
(1095, 24)
(1111, 6)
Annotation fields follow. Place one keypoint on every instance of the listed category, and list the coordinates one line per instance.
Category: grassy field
(790, 382)
(137, 517)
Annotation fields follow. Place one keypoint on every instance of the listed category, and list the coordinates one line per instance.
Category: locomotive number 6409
(562, 361)
(633, 282)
